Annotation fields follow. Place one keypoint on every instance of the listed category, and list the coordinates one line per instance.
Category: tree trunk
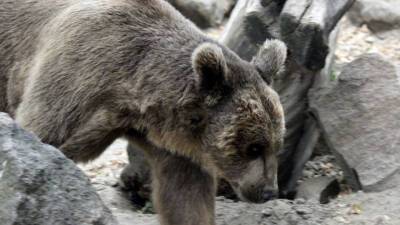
(305, 26)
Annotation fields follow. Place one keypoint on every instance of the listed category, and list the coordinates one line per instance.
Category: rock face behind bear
(360, 119)
(204, 13)
(39, 186)
(378, 15)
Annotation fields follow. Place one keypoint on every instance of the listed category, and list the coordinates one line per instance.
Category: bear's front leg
(183, 193)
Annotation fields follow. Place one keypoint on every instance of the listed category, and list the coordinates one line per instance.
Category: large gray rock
(40, 186)
(360, 118)
(378, 15)
(204, 13)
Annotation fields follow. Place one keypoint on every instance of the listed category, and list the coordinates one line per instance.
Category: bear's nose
(269, 195)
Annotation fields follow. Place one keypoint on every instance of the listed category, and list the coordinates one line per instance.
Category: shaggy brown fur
(80, 74)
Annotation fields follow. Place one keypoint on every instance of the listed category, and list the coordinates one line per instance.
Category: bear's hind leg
(136, 176)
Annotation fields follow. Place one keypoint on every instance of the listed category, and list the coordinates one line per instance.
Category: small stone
(307, 173)
(300, 201)
(370, 39)
(381, 219)
(266, 212)
(282, 223)
(341, 219)
(303, 210)
(293, 219)
(220, 198)
(355, 209)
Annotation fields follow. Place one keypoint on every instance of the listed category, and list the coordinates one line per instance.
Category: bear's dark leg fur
(182, 191)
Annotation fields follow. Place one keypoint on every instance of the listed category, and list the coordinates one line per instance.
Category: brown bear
(80, 74)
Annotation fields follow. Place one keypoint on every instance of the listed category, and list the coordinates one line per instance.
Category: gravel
(354, 41)
(324, 165)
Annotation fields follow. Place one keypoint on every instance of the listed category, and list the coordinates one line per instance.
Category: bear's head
(233, 118)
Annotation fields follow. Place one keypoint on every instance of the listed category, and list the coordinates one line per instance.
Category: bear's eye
(255, 151)
(196, 120)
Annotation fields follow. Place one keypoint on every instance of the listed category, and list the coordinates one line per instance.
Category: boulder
(39, 185)
(378, 15)
(359, 115)
(204, 13)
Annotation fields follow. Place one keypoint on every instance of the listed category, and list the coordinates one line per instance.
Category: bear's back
(20, 22)
(25, 24)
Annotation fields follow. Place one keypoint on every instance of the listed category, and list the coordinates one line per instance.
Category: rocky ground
(358, 208)
(354, 41)
(322, 166)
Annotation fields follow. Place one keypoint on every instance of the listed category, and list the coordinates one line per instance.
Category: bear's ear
(209, 63)
(270, 60)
